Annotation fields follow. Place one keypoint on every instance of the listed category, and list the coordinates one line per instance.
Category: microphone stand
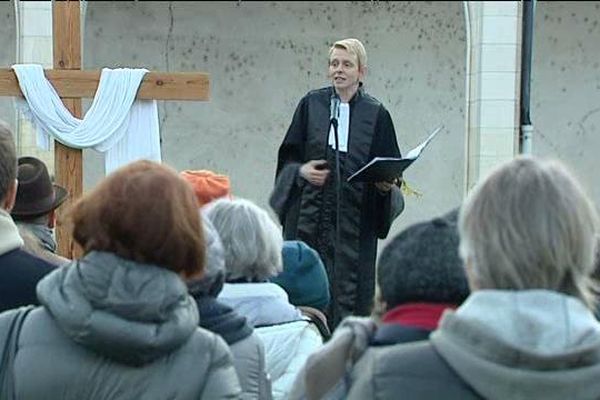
(338, 190)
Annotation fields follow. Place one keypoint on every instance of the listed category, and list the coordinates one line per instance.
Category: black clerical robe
(308, 212)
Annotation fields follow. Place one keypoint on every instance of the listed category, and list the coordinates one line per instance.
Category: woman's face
(344, 71)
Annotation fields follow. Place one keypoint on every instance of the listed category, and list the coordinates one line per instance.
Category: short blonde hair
(352, 46)
(530, 225)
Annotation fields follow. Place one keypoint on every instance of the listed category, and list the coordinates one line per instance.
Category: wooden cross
(72, 84)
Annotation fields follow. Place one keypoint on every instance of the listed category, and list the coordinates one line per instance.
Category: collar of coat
(9, 234)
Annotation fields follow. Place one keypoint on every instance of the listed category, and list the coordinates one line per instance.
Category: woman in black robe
(341, 220)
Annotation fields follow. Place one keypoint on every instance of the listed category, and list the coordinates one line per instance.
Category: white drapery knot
(115, 124)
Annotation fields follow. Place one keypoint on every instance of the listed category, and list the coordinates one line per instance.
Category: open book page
(416, 152)
(387, 168)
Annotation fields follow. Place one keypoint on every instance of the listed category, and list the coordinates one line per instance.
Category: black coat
(19, 275)
(308, 212)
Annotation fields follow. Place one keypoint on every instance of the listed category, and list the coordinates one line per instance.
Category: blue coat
(19, 275)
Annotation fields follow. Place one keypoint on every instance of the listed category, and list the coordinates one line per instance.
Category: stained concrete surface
(7, 55)
(566, 87)
(264, 56)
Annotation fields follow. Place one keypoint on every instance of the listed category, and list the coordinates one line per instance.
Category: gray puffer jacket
(499, 344)
(110, 328)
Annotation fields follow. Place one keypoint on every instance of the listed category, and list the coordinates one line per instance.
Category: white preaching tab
(343, 127)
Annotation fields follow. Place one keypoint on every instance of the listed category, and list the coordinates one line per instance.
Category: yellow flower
(408, 191)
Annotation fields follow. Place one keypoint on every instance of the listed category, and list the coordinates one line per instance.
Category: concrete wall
(7, 55)
(264, 56)
(566, 87)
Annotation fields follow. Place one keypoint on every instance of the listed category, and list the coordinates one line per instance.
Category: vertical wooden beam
(68, 163)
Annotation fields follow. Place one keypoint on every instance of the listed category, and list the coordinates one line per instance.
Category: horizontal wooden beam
(156, 85)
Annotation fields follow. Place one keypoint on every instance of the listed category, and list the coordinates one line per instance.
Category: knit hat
(303, 276)
(422, 264)
(207, 185)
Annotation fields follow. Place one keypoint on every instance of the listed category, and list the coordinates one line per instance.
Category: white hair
(530, 225)
(251, 239)
(211, 282)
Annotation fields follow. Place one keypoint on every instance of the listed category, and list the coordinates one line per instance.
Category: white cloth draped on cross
(115, 124)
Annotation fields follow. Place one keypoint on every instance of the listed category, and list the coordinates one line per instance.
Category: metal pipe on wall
(467, 93)
(525, 137)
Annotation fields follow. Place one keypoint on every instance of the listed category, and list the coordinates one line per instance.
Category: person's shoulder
(414, 369)
(206, 343)
(40, 263)
(207, 356)
(370, 99)
(26, 262)
(252, 344)
(258, 290)
(202, 337)
(403, 355)
(33, 246)
(404, 362)
(321, 92)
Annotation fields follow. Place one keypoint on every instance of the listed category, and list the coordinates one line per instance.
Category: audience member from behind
(527, 331)
(247, 348)
(252, 243)
(303, 277)
(420, 275)
(207, 185)
(305, 281)
(119, 323)
(34, 210)
(19, 270)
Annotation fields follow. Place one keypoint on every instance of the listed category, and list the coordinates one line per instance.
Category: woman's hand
(386, 186)
(315, 172)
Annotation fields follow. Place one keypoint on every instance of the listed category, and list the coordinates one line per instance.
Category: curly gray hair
(251, 239)
(212, 281)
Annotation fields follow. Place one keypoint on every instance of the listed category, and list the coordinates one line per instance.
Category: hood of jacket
(222, 320)
(9, 234)
(522, 345)
(129, 312)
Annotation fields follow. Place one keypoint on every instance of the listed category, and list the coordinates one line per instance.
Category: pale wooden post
(68, 162)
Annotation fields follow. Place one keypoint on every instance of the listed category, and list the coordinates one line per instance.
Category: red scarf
(418, 315)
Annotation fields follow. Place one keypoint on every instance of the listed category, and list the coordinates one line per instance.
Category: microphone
(334, 107)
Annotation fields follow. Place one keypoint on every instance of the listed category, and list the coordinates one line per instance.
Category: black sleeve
(285, 191)
(390, 207)
(385, 143)
(291, 149)
(391, 204)
(289, 159)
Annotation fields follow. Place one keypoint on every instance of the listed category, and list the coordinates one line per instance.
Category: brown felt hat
(36, 195)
